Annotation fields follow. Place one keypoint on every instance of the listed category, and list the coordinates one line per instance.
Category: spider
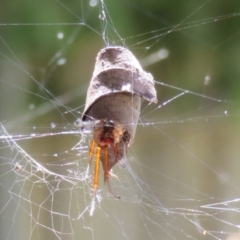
(110, 141)
(113, 100)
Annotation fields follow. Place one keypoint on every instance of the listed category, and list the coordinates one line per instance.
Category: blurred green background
(185, 154)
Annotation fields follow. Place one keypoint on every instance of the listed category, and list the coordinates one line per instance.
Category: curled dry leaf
(113, 101)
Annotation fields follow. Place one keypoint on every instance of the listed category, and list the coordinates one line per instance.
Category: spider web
(181, 176)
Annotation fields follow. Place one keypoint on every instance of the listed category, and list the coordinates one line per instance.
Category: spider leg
(106, 164)
(106, 171)
(91, 151)
(96, 173)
